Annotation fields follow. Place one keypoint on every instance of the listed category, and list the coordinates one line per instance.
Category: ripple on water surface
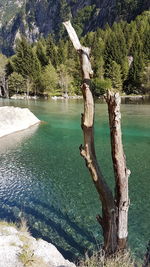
(43, 177)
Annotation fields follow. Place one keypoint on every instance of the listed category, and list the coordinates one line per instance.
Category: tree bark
(114, 210)
(119, 164)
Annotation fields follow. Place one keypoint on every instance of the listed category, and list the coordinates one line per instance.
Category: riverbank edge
(68, 97)
(18, 248)
(15, 119)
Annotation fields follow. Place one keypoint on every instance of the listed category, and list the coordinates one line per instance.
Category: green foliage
(52, 67)
(9, 9)
(49, 79)
(25, 61)
(101, 86)
(83, 16)
(51, 51)
(64, 11)
(65, 80)
(16, 83)
(3, 63)
(145, 79)
(115, 76)
(41, 54)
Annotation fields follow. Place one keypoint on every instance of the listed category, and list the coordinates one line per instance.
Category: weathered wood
(114, 210)
(120, 169)
(87, 151)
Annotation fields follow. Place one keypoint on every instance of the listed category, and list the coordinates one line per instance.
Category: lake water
(44, 179)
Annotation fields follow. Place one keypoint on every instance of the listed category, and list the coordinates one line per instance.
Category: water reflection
(16, 139)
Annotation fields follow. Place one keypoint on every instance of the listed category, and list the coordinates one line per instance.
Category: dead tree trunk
(119, 164)
(113, 215)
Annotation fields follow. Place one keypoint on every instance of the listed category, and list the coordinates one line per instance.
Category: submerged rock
(14, 119)
(18, 249)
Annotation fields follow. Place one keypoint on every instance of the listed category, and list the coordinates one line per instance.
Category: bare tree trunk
(108, 219)
(119, 164)
(114, 210)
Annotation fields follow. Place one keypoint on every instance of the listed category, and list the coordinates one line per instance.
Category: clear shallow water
(44, 179)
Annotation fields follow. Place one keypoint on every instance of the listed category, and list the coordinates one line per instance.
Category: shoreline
(75, 97)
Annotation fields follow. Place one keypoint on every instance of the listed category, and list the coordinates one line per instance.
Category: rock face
(19, 249)
(38, 18)
(14, 119)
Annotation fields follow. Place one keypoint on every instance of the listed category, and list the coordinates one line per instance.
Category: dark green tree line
(51, 67)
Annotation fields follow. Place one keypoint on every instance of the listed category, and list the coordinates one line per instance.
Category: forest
(120, 57)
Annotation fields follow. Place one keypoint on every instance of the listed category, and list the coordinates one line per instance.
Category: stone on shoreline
(14, 119)
(18, 249)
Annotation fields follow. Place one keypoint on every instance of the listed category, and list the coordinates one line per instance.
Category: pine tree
(16, 83)
(51, 51)
(146, 43)
(115, 48)
(41, 54)
(23, 60)
(26, 63)
(133, 82)
(97, 52)
(64, 11)
(49, 79)
(62, 52)
(115, 76)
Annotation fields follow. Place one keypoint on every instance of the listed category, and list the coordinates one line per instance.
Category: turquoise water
(44, 179)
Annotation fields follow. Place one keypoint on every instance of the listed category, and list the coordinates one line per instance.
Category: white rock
(15, 243)
(13, 119)
(51, 254)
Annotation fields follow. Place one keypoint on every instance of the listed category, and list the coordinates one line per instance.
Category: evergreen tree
(100, 86)
(62, 52)
(146, 43)
(65, 79)
(115, 48)
(145, 79)
(64, 11)
(124, 69)
(3, 64)
(49, 79)
(16, 83)
(115, 76)
(51, 51)
(97, 52)
(26, 63)
(41, 54)
(133, 82)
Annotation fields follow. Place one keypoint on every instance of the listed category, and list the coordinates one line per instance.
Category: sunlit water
(44, 179)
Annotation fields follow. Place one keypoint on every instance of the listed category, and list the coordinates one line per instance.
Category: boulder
(14, 119)
(18, 249)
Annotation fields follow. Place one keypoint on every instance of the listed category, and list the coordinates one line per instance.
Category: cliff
(38, 18)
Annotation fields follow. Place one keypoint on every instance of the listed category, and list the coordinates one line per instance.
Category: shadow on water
(60, 214)
(74, 248)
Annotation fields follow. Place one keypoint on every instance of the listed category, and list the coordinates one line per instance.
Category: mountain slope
(41, 17)
(8, 10)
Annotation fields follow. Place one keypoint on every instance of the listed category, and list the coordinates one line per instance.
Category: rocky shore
(18, 249)
(14, 119)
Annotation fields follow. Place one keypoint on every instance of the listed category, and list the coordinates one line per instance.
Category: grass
(5, 223)
(98, 259)
(28, 258)
(23, 227)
